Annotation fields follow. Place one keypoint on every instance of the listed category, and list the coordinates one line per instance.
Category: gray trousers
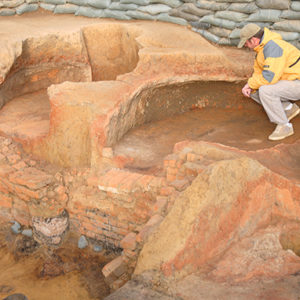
(276, 97)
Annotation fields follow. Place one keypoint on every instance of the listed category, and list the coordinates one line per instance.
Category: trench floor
(239, 128)
(42, 273)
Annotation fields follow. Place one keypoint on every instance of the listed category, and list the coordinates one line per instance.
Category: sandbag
(115, 14)
(12, 3)
(56, 2)
(225, 42)
(265, 15)
(7, 12)
(295, 6)
(290, 14)
(231, 15)
(234, 1)
(211, 5)
(260, 24)
(200, 25)
(24, 8)
(89, 12)
(247, 8)
(79, 2)
(171, 3)
(207, 35)
(273, 4)
(154, 9)
(220, 32)
(32, 1)
(288, 25)
(177, 12)
(120, 6)
(47, 6)
(166, 18)
(235, 33)
(191, 8)
(137, 2)
(66, 9)
(289, 36)
(218, 22)
(139, 15)
(99, 3)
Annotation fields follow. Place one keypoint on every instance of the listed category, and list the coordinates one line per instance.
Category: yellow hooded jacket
(276, 60)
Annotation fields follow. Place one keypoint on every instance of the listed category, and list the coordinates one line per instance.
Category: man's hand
(246, 90)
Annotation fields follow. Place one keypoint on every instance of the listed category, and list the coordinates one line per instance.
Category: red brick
(191, 157)
(128, 184)
(171, 178)
(31, 178)
(129, 253)
(91, 227)
(148, 228)
(144, 182)
(160, 204)
(116, 267)
(192, 168)
(172, 171)
(129, 241)
(166, 191)
(27, 194)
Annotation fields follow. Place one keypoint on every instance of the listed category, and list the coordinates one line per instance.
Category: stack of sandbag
(12, 7)
(225, 18)
(121, 10)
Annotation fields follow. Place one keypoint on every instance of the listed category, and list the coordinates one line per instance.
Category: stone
(16, 228)
(50, 230)
(97, 248)
(129, 241)
(116, 267)
(82, 242)
(27, 232)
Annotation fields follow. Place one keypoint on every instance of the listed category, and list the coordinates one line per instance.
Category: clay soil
(43, 273)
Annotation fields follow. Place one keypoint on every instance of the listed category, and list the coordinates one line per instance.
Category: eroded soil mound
(228, 224)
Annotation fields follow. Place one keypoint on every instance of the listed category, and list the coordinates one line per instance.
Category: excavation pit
(117, 144)
(160, 117)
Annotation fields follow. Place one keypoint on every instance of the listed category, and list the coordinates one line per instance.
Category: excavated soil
(43, 273)
(70, 273)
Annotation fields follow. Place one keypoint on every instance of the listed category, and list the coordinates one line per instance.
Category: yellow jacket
(276, 60)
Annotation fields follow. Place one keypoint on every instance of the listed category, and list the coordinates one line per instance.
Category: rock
(82, 242)
(16, 227)
(50, 230)
(27, 232)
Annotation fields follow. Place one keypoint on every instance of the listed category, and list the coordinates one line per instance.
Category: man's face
(252, 43)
